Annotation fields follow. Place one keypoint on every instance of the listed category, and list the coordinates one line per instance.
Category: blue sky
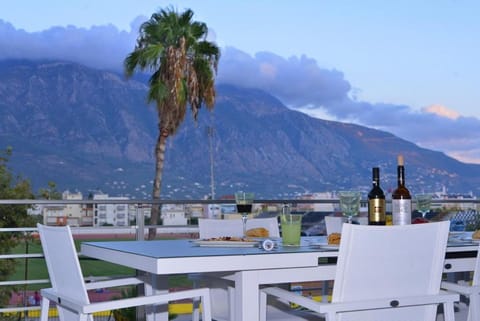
(407, 67)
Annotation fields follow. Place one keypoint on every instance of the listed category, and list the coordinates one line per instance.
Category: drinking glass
(424, 201)
(244, 206)
(349, 204)
(291, 225)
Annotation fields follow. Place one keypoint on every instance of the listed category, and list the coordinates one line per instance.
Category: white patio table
(250, 267)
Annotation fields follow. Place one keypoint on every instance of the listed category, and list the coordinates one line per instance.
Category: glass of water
(349, 203)
(424, 201)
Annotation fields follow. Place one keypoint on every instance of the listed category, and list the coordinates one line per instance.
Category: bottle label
(401, 212)
(376, 210)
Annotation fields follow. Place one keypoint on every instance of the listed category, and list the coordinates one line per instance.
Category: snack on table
(476, 235)
(334, 238)
(258, 232)
(228, 238)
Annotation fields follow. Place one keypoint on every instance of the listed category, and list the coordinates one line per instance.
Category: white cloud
(102, 47)
(442, 111)
(299, 82)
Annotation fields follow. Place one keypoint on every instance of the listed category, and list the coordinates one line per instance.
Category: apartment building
(110, 214)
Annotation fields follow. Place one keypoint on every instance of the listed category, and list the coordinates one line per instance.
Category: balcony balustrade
(87, 226)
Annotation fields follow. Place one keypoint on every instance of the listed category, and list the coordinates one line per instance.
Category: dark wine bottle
(376, 200)
(401, 198)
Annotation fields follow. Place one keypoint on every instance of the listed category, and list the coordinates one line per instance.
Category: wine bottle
(376, 200)
(401, 198)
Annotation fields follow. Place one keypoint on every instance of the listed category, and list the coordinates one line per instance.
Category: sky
(407, 67)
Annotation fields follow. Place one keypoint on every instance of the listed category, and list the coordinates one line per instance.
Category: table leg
(247, 296)
(156, 284)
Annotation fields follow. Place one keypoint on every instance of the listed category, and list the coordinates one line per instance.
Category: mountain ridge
(90, 129)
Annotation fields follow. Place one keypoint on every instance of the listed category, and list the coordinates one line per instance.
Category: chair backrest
(63, 265)
(209, 228)
(333, 224)
(390, 261)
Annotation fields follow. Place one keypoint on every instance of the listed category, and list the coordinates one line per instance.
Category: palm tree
(183, 65)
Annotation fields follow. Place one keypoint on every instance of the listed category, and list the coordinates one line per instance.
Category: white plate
(207, 243)
(469, 239)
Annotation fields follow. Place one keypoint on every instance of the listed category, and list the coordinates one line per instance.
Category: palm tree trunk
(157, 182)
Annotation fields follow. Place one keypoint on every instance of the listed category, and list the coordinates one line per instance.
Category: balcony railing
(83, 228)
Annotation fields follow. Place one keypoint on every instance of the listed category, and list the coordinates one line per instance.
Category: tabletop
(250, 266)
(185, 256)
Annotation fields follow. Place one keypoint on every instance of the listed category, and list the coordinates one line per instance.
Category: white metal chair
(333, 224)
(222, 285)
(209, 228)
(69, 291)
(385, 273)
(471, 291)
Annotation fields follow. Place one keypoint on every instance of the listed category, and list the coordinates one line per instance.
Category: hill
(90, 129)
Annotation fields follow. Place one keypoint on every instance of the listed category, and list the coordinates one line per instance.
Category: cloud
(302, 84)
(296, 80)
(442, 111)
(102, 47)
(299, 82)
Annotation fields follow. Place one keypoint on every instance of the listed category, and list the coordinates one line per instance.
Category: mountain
(90, 129)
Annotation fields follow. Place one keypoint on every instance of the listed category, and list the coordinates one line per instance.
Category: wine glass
(424, 202)
(244, 206)
(349, 204)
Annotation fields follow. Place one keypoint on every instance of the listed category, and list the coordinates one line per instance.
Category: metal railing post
(140, 217)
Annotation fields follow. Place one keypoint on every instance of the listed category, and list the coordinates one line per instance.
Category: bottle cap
(400, 160)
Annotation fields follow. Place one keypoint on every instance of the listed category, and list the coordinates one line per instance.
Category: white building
(318, 207)
(174, 214)
(73, 212)
(69, 214)
(195, 210)
(54, 214)
(110, 214)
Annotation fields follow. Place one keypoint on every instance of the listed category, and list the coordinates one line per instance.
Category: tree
(50, 192)
(11, 187)
(184, 65)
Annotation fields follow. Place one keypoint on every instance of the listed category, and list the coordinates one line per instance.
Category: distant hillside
(88, 129)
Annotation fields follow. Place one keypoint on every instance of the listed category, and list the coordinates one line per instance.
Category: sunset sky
(406, 67)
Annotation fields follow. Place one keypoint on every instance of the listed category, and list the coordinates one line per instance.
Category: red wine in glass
(244, 208)
(244, 203)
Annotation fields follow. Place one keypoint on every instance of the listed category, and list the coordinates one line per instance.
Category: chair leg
(231, 303)
(196, 310)
(45, 305)
(84, 317)
(474, 307)
(206, 306)
(330, 316)
(448, 311)
(263, 306)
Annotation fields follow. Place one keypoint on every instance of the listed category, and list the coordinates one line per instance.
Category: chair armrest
(113, 283)
(61, 300)
(322, 307)
(88, 308)
(462, 289)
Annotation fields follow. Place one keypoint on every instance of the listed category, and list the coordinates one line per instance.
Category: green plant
(11, 187)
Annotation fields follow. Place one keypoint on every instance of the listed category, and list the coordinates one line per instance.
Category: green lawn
(36, 268)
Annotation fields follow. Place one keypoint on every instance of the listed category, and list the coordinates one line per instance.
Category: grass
(35, 268)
